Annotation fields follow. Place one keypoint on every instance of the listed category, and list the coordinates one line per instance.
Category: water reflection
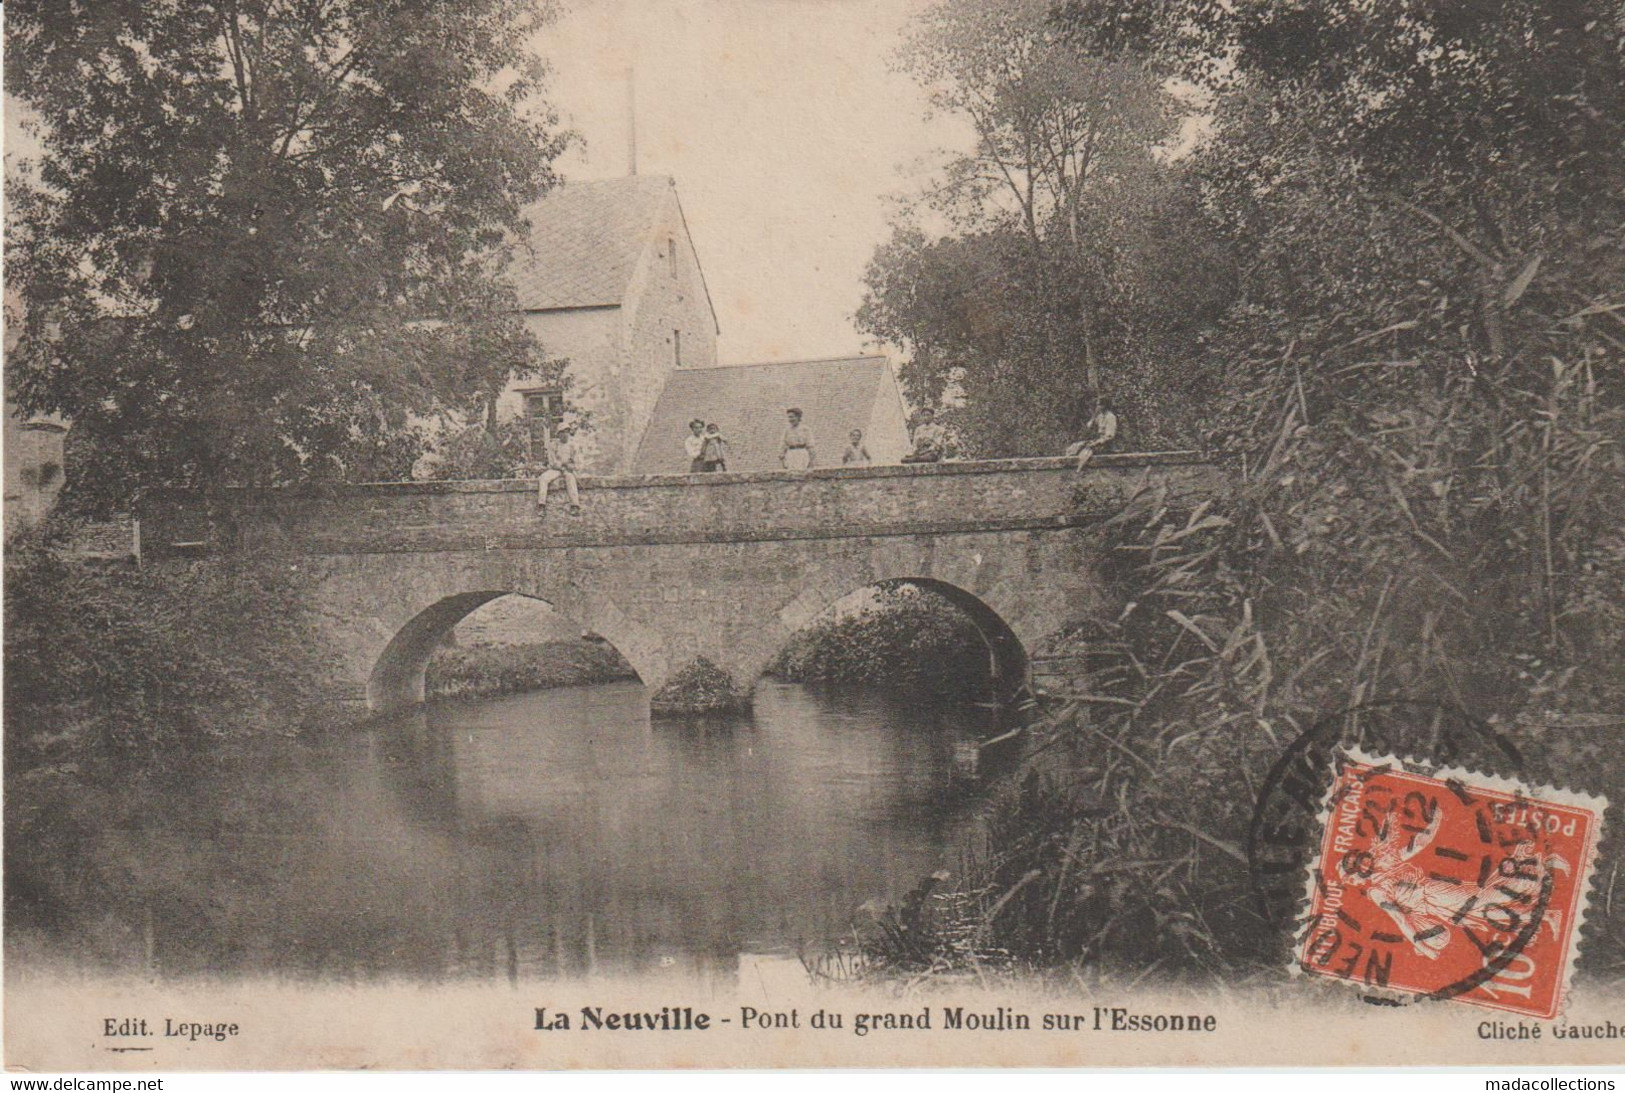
(555, 833)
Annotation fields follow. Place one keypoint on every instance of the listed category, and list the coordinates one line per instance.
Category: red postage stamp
(1449, 884)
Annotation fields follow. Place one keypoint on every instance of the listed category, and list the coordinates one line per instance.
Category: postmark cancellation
(1447, 884)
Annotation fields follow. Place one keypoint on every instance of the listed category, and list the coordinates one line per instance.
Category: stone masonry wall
(632, 510)
(670, 568)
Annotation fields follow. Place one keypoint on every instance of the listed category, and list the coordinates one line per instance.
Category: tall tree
(1050, 122)
(1055, 238)
(265, 233)
(1000, 336)
(1427, 202)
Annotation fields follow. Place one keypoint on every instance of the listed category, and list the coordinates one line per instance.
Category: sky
(786, 131)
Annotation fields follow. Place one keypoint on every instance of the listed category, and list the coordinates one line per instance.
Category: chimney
(631, 124)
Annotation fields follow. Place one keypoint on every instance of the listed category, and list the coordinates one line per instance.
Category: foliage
(906, 638)
(1051, 122)
(699, 688)
(997, 335)
(100, 658)
(507, 669)
(1421, 385)
(1425, 374)
(1066, 260)
(263, 235)
(476, 451)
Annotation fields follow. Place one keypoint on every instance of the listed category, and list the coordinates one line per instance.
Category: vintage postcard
(813, 533)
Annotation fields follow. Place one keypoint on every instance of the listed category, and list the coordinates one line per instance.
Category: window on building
(543, 408)
(671, 255)
(677, 348)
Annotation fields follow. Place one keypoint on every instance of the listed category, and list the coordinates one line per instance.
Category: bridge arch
(397, 677)
(1008, 654)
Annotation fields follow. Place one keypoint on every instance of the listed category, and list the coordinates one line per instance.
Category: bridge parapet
(990, 495)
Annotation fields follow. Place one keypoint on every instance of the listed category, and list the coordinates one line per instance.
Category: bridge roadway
(671, 568)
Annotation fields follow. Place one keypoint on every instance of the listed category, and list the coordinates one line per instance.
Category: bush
(100, 657)
(507, 669)
(700, 688)
(907, 639)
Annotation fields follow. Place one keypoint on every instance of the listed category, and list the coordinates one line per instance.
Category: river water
(556, 833)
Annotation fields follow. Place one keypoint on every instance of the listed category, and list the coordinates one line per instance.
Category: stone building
(748, 401)
(609, 279)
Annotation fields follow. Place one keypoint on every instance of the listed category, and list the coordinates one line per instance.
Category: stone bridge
(674, 567)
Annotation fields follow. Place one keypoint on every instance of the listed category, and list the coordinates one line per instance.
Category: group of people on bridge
(707, 448)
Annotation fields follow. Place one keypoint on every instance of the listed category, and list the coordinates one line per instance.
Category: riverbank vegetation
(114, 673)
(103, 659)
(458, 672)
(904, 639)
(1420, 374)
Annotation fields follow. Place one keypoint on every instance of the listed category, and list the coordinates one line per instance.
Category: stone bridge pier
(670, 569)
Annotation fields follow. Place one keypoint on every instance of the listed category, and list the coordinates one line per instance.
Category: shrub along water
(701, 688)
(104, 659)
(114, 673)
(507, 669)
(906, 639)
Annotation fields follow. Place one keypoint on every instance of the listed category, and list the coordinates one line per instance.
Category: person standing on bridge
(796, 449)
(694, 444)
(563, 461)
(857, 453)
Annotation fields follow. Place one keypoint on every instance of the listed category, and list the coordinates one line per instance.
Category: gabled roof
(586, 239)
(748, 402)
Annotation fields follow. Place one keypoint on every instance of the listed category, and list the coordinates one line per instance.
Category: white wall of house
(592, 339)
